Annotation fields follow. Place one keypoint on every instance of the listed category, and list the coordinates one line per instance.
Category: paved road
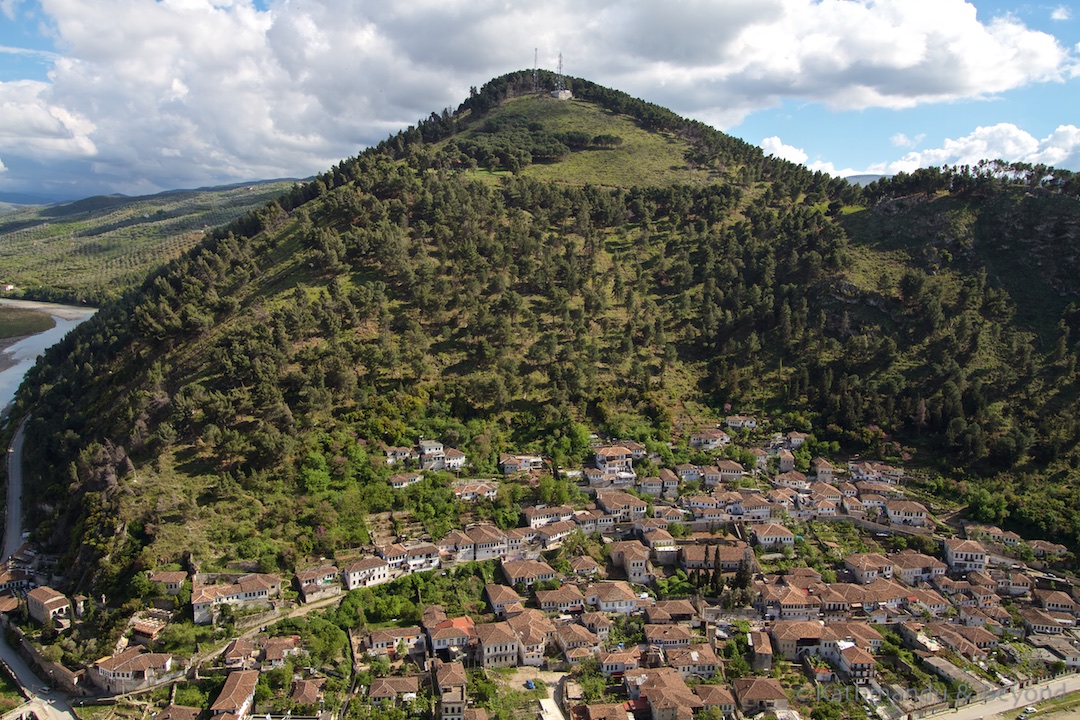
(1012, 703)
(48, 705)
(13, 523)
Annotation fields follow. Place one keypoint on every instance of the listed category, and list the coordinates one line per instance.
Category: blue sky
(137, 96)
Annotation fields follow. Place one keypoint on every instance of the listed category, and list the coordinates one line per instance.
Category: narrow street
(1009, 704)
(45, 703)
(13, 521)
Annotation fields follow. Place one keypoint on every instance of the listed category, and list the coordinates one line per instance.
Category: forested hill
(511, 275)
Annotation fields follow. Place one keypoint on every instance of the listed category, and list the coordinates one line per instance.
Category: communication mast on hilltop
(560, 92)
(536, 70)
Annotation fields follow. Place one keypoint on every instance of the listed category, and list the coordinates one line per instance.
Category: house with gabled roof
(566, 598)
(965, 555)
(697, 659)
(43, 603)
(759, 694)
(253, 590)
(394, 689)
(237, 696)
(400, 481)
(867, 567)
(527, 572)
(668, 635)
(773, 535)
(624, 506)
(134, 669)
(611, 597)
(906, 512)
(500, 596)
(365, 572)
(709, 439)
(913, 567)
(716, 696)
(387, 641)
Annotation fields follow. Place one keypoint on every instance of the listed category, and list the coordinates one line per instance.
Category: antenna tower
(559, 81)
(536, 70)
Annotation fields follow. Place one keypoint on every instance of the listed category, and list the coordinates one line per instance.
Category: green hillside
(507, 277)
(91, 250)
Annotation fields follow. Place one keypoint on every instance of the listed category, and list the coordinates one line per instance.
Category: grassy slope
(93, 249)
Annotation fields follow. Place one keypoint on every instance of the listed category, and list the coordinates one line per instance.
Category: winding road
(13, 523)
(44, 703)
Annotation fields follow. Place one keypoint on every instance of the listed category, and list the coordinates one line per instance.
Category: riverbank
(18, 323)
(18, 354)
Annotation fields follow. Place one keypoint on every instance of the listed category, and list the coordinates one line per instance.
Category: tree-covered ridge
(252, 381)
(92, 250)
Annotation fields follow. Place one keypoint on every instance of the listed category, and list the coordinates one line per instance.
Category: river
(25, 352)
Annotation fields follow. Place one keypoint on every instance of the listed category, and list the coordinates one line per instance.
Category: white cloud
(902, 140)
(1003, 141)
(1061, 13)
(178, 92)
(774, 146)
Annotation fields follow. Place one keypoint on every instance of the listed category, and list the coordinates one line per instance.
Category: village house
(278, 649)
(965, 555)
(400, 481)
(822, 469)
(564, 599)
(668, 635)
(473, 490)
(906, 512)
(785, 460)
(133, 669)
(792, 479)
(867, 567)
(698, 659)
(500, 597)
(365, 572)
(237, 696)
(914, 567)
(395, 455)
(709, 439)
(254, 590)
(611, 597)
(47, 605)
(389, 641)
(451, 636)
(169, 581)
(316, 583)
(796, 439)
(527, 572)
(510, 464)
(615, 459)
(623, 506)
(617, 662)
(773, 535)
(449, 683)
(540, 515)
(740, 422)
(717, 696)
(497, 644)
(759, 694)
(394, 689)
(633, 558)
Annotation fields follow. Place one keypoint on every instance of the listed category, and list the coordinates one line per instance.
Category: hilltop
(522, 271)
